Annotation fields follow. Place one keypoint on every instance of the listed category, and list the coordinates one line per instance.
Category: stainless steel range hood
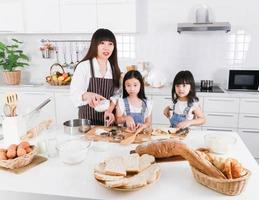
(203, 22)
(216, 26)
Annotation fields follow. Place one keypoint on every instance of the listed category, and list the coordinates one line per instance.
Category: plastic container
(73, 151)
(219, 143)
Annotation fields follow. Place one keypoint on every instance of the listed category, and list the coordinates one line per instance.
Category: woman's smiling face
(105, 49)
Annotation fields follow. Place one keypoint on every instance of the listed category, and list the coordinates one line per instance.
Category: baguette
(161, 148)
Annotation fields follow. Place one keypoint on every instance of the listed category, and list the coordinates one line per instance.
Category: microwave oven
(243, 80)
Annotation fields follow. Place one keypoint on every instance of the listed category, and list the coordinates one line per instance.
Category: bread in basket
(58, 78)
(19, 161)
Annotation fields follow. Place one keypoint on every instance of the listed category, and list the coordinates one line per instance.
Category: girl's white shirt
(181, 105)
(134, 109)
(80, 81)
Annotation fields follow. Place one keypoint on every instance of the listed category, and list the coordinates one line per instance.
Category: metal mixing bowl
(77, 126)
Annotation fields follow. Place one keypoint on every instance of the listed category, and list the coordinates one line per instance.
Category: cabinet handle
(215, 129)
(168, 98)
(221, 115)
(243, 131)
(251, 116)
(252, 100)
(224, 100)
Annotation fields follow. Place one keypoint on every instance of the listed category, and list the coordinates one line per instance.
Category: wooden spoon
(132, 138)
(11, 101)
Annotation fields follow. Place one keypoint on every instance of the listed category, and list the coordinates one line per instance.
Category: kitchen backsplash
(209, 55)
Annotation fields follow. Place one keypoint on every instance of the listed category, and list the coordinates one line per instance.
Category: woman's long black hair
(105, 35)
(137, 75)
(185, 77)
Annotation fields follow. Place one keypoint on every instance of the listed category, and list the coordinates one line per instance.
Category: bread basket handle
(56, 64)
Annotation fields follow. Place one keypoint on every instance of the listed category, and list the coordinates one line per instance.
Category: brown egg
(12, 146)
(24, 144)
(21, 151)
(28, 149)
(11, 153)
(2, 150)
(3, 155)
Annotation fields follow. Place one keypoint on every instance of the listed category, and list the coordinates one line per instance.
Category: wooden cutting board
(91, 134)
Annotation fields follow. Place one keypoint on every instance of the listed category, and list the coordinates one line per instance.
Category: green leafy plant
(11, 56)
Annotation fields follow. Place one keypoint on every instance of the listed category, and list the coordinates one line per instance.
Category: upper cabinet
(117, 15)
(11, 16)
(41, 17)
(67, 16)
(78, 16)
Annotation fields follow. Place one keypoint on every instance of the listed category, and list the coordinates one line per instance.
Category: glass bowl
(73, 151)
(102, 106)
(219, 143)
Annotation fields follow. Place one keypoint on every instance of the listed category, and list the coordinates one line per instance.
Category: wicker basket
(20, 161)
(224, 186)
(51, 73)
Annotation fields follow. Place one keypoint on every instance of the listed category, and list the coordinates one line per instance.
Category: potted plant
(11, 58)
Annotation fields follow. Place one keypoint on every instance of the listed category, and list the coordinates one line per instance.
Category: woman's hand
(109, 116)
(92, 99)
(167, 111)
(130, 123)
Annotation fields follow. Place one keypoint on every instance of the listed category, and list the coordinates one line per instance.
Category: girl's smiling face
(132, 86)
(182, 90)
(105, 49)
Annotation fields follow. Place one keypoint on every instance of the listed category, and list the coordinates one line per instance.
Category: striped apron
(101, 86)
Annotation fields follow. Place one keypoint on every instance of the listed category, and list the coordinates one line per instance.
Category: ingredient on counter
(57, 77)
(127, 172)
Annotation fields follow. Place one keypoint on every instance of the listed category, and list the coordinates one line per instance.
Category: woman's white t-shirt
(134, 109)
(181, 105)
(80, 81)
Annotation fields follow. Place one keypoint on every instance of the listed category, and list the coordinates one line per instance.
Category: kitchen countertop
(55, 180)
(163, 91)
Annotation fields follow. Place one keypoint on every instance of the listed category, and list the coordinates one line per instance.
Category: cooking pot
(77, 126)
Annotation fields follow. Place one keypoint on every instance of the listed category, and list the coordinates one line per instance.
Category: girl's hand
(92, 99)
(130, 123)
(141, 125)
(183, 124)
(167, 111)
(110, 117)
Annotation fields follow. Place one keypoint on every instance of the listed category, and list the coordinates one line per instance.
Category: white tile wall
(209, 55)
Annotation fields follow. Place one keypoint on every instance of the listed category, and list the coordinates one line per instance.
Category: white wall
(206, 54)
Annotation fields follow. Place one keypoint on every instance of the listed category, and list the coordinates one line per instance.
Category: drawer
(221, 120)
(224, 105)
(218, 129)
(250, 121)
(249, 106)
(251, 140)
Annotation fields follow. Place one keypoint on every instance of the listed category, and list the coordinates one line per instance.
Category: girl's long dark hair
(185, 77)
(137, 75)
(105, 35)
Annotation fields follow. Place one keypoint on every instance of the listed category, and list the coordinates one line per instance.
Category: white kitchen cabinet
(117, 15)
(159, 103)
(78, 16)
(41, 17)
(65, 110)
(251, 139)
(224, 105)
(250, 106)
(219, 129)
(11, 16)
(221, 119)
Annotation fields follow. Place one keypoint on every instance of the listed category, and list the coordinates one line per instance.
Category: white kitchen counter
(58, 180)
(164, 91)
